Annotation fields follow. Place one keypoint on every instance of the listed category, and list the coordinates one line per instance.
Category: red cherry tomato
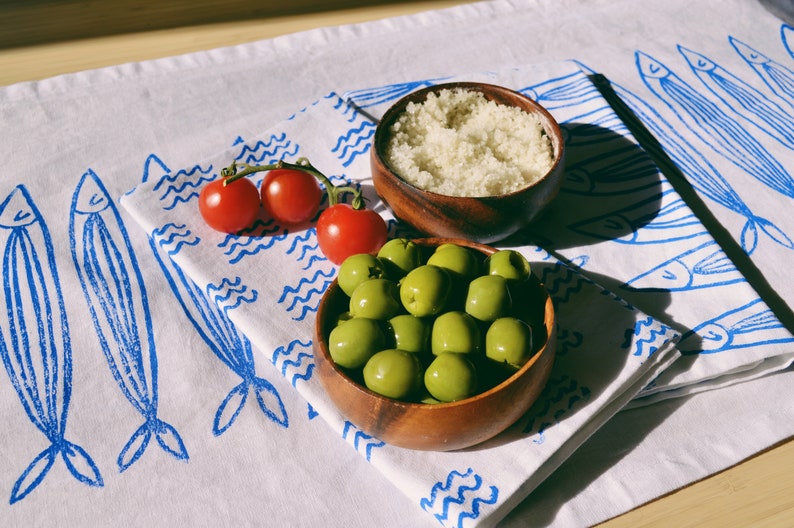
(291, 196)
(229, 208)
(343, 231)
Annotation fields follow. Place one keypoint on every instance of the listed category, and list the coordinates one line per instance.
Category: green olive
(459, 261)
(353, 342)
(358, 268)
(510, 264)
(488, 298)
(455, 332)
(424, 291)
(394, 373)
(451, 377)
(376, 299)
(509, 340)
(399, 256)
(411, 333)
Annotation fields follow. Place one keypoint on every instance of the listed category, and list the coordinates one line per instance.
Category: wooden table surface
(76, 35)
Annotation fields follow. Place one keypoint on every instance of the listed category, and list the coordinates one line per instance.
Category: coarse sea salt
(458, 143)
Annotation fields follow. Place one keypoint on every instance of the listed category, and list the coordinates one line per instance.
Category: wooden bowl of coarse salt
(467, 160)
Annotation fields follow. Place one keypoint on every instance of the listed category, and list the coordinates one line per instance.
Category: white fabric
(125, 123)
(269, 281)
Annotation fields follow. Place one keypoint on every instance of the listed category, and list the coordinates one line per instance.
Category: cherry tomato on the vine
(291, 196)
(343, 231)
(229, 208)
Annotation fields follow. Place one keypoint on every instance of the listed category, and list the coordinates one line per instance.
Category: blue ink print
(295, 361)
(212, 323)
(702, 116)
(705, 266)
(114, 290)
(34, 341)
(354, 142)
(228, 294)
(265, 152)
(642, 339)
(787, 37)
(624, 175)
(743, 99)
(226, 342)
(777, 77)
(570, 90)
(361, 441)
(182, 186)
(460, 497)
(369, 97)
(641, 223)
(561, 396)
(700, 172)
(751, 325)
(305, 296)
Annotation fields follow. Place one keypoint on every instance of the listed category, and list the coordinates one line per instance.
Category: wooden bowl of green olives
(435, 344)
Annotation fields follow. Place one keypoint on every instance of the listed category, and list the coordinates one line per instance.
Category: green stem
(240, 170)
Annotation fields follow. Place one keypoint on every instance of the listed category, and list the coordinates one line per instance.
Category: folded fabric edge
(667, 354)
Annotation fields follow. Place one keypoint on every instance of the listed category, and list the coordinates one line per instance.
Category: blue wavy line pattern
(306, 294)
(647, 334)
(231, 293)
(295, 360)
(355, 142)
(172, 237)
(461, 496)
(362, 442)
(561, 396)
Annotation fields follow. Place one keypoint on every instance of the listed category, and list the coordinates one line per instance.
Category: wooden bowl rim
(549, 321)
(389, 116)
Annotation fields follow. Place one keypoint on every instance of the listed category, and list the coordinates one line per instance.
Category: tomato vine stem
(236, 171)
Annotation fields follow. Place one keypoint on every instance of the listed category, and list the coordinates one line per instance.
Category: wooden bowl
(441, 426)
(482, 219)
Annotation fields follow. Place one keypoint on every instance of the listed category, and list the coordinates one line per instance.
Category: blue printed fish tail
(116, 296)
(34, 340)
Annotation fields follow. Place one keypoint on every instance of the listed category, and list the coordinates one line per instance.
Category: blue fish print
(643, 223)
(461, 496)
(610, 171)
(753, 324)
(34, 341)
(727, 137)
(705, 266)
(376, 96)
(573, 89)
(702, 175)
(787, 37)
(114, 290)
(779, 78)
(218, 332)
(765, 114)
